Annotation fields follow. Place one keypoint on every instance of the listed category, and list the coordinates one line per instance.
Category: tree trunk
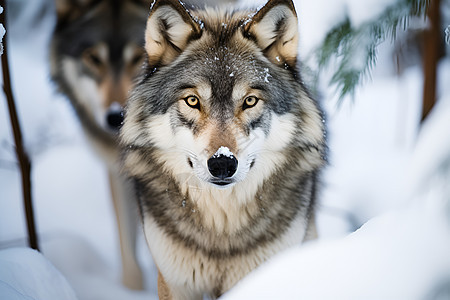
(431, 53)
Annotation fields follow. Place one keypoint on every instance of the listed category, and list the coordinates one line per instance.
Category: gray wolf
(96, 54)
(223, 143)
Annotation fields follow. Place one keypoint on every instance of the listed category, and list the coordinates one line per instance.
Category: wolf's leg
(311, 231)
(125, 206)
(175, 293)
(163, 289)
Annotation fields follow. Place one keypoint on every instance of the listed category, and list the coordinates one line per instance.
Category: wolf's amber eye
(137, 59)
(92, 60)
(249, 102)
(95, 59)
(193, 102)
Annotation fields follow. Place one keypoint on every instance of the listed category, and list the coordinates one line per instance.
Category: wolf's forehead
(223, 61)
(221, 22)
(221, 70)
(224, 66)
(110, 25)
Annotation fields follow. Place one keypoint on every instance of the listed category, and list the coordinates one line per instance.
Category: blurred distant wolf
(96, 53)
(223, 143)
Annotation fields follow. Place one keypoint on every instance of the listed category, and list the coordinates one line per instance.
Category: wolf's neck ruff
(220, 223)
(223, 142)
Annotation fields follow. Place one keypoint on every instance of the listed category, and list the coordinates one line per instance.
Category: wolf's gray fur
(230, 82)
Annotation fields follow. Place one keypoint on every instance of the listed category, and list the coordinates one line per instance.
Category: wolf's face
(96, 54)
(221, 117)
(220, 104)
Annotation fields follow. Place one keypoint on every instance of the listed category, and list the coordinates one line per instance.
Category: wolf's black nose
(114, 119)
(222, 166)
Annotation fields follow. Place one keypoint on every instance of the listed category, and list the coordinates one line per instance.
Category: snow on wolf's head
(221, 103)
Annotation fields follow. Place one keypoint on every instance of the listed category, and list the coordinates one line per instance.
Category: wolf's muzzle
(222, 166)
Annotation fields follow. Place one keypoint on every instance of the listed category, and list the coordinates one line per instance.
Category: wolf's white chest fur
(190, 273)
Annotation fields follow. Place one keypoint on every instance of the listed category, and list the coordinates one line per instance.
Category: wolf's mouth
(221, 182)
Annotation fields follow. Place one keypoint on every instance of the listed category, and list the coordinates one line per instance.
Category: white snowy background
(385, 171)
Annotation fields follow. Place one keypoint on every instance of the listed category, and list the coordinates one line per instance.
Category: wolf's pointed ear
(275, 29)
(170, 27)
(69, 10)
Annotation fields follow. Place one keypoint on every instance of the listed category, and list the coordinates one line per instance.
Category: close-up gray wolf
(96, 53)
(223, 143)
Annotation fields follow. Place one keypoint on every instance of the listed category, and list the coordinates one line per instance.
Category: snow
(371, 139)
(88, 272)
(27, 274)
(266, 75)
(315, 19)
(2, 33)
(391, 257)
(223, 151)
(384, 213)
(360, 12)
(447, 34)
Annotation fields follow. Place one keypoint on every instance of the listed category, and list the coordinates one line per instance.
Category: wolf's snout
(114, 119)
(222, 166)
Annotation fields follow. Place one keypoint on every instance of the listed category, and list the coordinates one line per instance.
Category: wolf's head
(221, 103)
(97, 51)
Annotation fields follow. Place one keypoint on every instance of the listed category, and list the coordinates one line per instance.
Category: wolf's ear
(69, 10)
(275, 29)
(170, 27)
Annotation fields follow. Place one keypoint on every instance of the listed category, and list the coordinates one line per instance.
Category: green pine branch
(355, 48)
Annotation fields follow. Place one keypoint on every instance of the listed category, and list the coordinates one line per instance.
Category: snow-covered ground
(26, 274)
(383, 168)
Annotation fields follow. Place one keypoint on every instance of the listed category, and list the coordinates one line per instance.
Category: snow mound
(406, 258)
(26, 274)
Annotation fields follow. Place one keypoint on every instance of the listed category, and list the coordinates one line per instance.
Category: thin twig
(24, 162)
